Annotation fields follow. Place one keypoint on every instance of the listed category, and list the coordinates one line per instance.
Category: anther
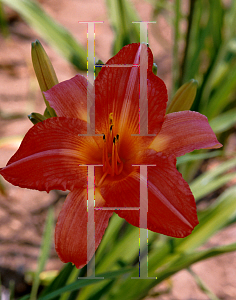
(112, 163)
(111, 118)
(104, 153)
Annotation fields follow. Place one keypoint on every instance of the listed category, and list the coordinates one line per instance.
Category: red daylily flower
(52, 150)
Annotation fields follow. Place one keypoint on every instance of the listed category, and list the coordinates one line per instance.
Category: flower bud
(44, 71)
(184, 97)
(36, 118)
(99, 67)
(2, 189)
(154, 68)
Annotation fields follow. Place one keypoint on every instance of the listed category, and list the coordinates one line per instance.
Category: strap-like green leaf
(51, 31)
(44, 253)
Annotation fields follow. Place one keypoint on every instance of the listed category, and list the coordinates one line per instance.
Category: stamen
(112, 163)
(111, 118)
(111, 126)
(102, 179)
(107, 161)
(116, 170)
(104, 153)
(120, 168)
(118, 159)
(112, 133)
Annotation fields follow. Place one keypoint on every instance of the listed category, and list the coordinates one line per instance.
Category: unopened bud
(98, 67)
(36, 118)
(154, 68)
(184, 97)
(44, 71)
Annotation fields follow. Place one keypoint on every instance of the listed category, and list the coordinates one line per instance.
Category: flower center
(112, 163)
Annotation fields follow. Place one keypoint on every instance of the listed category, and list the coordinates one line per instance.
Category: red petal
(69, 98)
(50, 154)
(183, 132)
(71, 228)
(171, 205)
(117, 92)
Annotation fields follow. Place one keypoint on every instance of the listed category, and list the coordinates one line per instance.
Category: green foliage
(51, 31)
(44, 253)
(3, 22)
(210, 56)
(121, 15)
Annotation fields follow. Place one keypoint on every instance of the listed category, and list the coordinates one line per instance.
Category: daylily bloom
(52, 152)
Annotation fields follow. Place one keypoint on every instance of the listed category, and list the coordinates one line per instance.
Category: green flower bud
(184, 97)
(154, 68)
(44, 71)
(36, 118)
(98, 69)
